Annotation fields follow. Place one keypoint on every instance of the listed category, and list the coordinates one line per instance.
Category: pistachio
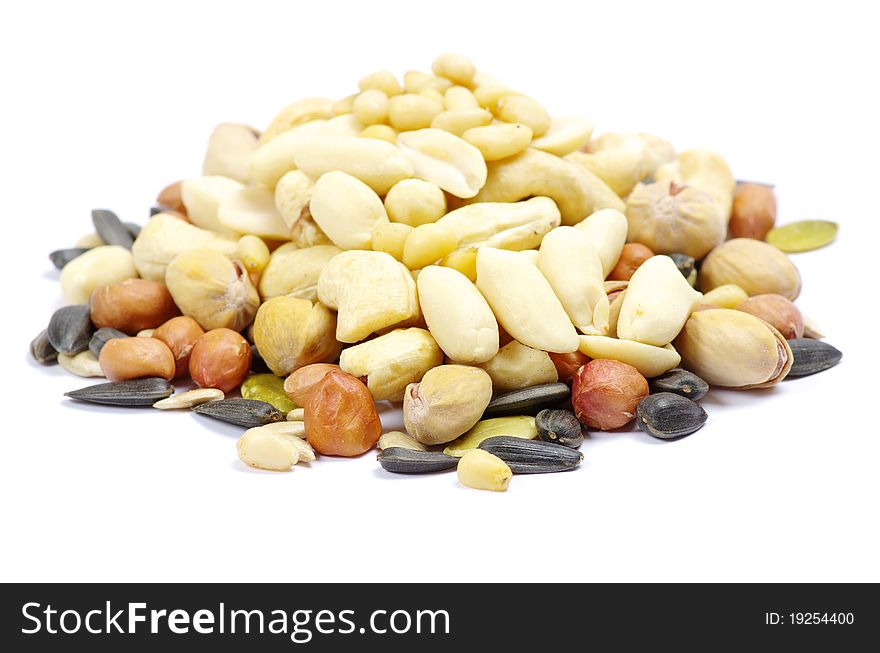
(70, 329)
(733, 349)
(213, 290)
(400, 439)
(605, 393)
(755, 266)
(527, 401)
(42, 350)
(778, 311)
(134, 393)
(649, 360)
(110, 228)
(520, 426)
(392, 361)
(402, 460)
(242, 412)
(518, 366)
(448, 401)
(85, 364)
(680, 382)
(812, 356)
(559, 426)
(268, 388)
(61, 257)
(483, 471)
(190, 398)
(532, 456)
(291, 333)
(668, 416)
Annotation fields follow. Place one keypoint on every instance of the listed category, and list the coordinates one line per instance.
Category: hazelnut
(777, 311)
(299, 385)
(631, 257)
(180, 334)
(605, 393)
(132, 305)
(122, 359)
(754, 211)
(340, 417)
(220, 359)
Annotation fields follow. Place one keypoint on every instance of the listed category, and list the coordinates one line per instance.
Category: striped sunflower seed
(71, 329)
(528, 401)
(135, 393)
(111, 229)
(249, 413)
(401, 460)
(812, 356)
(532, 456)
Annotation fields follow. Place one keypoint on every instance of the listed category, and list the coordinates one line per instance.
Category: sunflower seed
(133, 229)
(61, 257)
(84, 364)
(134, 393)
(70, 329)
(680, 382)
(101, 336)
(154, 210)
(42, 350)
(528, 401)
(560, 427)
(110, 228)
(685, 264)
(409, 461)
(668, 416)
(812, 356)
(243, 412)
(190, 398)
(532, 456)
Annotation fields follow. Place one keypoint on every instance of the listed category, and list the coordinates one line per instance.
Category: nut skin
(180, 334)
(605, 393)
(123, 359)
(567, 365)
(300, 384)
(220, 359)
(132, 305)
(754, 211)
(340, 417)
(777, 311)
(631, 257)
(171, 197)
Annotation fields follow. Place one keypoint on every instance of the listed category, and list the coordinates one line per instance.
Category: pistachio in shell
(754, 266)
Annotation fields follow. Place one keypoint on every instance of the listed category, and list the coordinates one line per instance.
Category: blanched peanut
(371, 107)
(517, 366)
(499, 141)
(292, 196)
(381, 80)
(101, 266)
(381, 133)
(649, 360)
(606, 230)
(523, 301)
(378, 164)
(490, 93)
(445, 160)
(458, 97)
(271, 161)
(463, 260)
(298, 113)
(458, 121)
(346, 209)
(515, 226)
(253, 252)
(524, 110)
(415, 202)
(454, 67)
(229, 147)
(574, 270)
(415, 81)
(433, 94)
(565, 135)
(482, 470)
(457, 315)
(389, 237)
(344, 106)
(202, 197)
(252, 210)
(428, 243)
(411, 111)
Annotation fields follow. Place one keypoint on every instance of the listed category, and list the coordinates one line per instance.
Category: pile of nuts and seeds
(444, 244)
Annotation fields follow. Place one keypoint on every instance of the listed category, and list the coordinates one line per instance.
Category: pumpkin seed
(560, 427)
(61, 257)
(101, 336)
(268, 388)
(528, 401)
(802, 236)
(680, 382)
(532, 456)
(110, 228)
(42, 350)
(134, 393)
(243, 412)
(401, 460)
(812, 356)
(190, 398)
(71, 329)
(668, 416)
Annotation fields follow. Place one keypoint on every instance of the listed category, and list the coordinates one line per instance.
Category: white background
(105, 103)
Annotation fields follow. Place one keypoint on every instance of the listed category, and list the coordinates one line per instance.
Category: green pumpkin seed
(802, 236)
(268, 388)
